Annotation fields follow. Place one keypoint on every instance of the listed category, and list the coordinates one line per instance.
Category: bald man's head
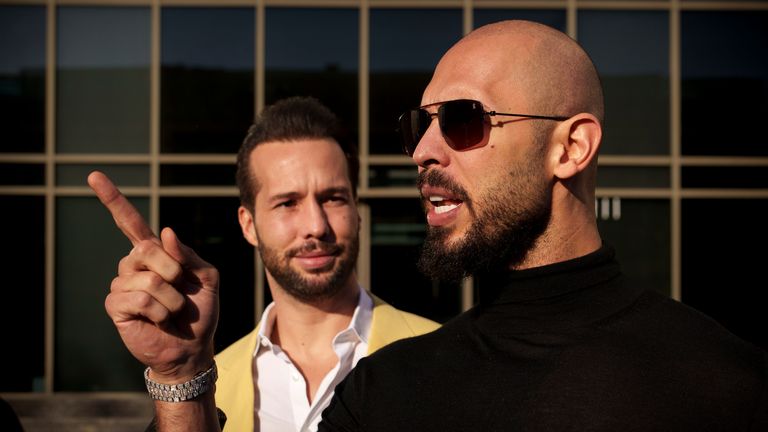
(556, 74)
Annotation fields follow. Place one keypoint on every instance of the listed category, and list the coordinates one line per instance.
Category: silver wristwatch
(181, 392)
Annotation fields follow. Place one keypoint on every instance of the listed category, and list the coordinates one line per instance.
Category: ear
(247, 225)
(577, 141)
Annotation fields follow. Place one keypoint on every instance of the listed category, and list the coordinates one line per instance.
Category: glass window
(22, 174)
(551, 17)
(24, 295)
(314, 52)
(102, 81)
(639, 230)
(633, 177)
(397, 233)
(122, 175)
(724, 82)
(197, 175)
(631, 52)
(405, 46)
(207, 90)
(723, 263)
(89, 355)
(740, 177)
(210, 227)
(22, 78)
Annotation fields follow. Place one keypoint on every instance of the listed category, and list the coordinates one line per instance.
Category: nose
(432, 148)
(314, 223)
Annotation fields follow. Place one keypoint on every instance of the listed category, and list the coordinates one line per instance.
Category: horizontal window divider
(633, 193)
(198, 159)
(723, 161)
(23, 158)
(725, 193)
(22, 190)
(394, 192)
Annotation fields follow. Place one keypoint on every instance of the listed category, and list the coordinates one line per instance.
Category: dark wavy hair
(291, 119)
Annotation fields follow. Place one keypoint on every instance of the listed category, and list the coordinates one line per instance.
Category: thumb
(182, 253)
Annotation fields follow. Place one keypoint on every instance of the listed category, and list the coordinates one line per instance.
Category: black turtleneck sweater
(565, 347)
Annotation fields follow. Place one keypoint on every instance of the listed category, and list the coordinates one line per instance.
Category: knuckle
(142, 300)
(143, 247)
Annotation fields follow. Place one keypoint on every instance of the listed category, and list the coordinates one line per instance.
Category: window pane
(397, 233)
(122, 175)
(314, 52)
(724, 83)
(405, 48)
(207, 91)
(725, 177)
(633, 177)
(102, 81)
(89, 353)
(551, 17)
(639, 230)
(24, 296)
(723, 263)
(22, 78)
(20, 174)
(392, 175)
(210, 227)
(199, 175)
(631, 53)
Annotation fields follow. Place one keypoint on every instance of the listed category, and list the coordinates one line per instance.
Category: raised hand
(164, 301)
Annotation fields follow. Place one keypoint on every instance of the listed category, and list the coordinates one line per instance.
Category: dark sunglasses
(462, 123)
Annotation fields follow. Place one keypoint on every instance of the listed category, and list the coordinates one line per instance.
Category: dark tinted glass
(723, 263)
(399, 75)
(744, 177)
(22, 78)
(314, 52)
(207, 77)
(724, 82)
(210, 227)
(22, 174)
(639, 230)
(553, 18)
(631, 52)
(397, 233)
(24, 296)
(197, 175)
(102, 80)
(122, 175)
(89, 354)
(633, 177)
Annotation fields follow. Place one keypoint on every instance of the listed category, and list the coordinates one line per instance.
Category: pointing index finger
(126, 217)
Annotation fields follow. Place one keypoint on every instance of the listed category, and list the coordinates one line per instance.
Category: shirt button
(295, 376)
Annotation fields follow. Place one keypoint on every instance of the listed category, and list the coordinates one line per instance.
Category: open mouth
(443, 204)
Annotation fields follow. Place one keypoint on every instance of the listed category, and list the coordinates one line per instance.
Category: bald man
(506, 143)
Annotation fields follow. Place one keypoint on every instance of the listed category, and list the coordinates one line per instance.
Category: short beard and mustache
(310, 290)
(507, 221)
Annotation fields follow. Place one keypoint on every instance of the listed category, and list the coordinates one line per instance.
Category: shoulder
(389, 324)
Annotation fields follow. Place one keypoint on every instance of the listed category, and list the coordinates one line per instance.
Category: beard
(321, 283)
(507, 219)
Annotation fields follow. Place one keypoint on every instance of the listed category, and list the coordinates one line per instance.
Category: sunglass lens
(413, 124)
(461, 122)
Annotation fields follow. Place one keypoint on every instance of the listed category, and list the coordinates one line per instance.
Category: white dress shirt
(281, 403)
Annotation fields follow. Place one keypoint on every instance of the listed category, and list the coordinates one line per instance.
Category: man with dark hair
(296, 181)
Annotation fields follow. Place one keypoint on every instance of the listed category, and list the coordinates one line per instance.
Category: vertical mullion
(50, 199)
(364, 93)
(154, 119)
(259, 77)
(571, 21)
(675, 144)
(467, 284)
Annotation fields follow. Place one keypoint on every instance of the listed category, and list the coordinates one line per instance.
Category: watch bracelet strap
(201, 383)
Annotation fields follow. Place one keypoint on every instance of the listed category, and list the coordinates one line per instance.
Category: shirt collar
(359, 325)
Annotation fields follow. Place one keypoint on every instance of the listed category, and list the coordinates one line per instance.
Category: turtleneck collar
(567, 294)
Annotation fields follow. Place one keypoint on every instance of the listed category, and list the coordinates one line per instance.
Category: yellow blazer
(234, 388)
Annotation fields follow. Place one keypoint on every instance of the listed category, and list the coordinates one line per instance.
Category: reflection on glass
(405, 48)
(631, 52)
(102, 80)
(122, 175)
(314, 52)
(723, 266)
(210, 227)
(397, 233)
(24, 295)
(724, 82)
(392, 176)
(89, 353)
(22, 78)
(207, 89)
(639, 230)
(551, 17)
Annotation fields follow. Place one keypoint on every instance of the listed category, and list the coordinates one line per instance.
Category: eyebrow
(323, 193)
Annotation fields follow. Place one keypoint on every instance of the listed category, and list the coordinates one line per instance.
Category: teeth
(436, 199)
(445, 208)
